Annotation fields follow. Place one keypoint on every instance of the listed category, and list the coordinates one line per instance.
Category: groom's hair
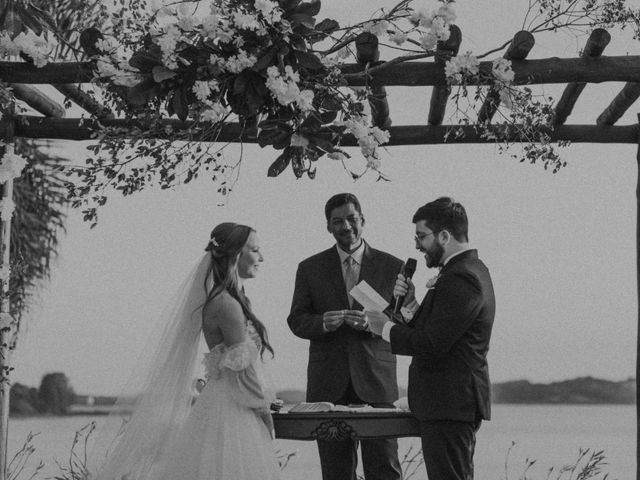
(445, 214)
(339, 200)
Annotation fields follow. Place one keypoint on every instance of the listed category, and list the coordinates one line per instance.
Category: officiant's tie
(350, 276)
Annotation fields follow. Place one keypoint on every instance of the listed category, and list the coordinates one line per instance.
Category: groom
(347, 363)
(448, 338)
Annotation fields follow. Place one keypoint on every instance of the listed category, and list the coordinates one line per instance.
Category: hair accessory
(213, 243)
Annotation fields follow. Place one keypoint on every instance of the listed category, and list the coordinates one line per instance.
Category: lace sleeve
(239, 356)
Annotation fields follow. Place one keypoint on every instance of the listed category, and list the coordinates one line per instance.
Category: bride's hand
(265, 416)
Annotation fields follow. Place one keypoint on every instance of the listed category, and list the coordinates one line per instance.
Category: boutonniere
(432, 281)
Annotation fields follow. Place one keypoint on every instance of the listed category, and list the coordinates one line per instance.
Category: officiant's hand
(404, 287)
(332, 319)
(377, 321)
(355, 319)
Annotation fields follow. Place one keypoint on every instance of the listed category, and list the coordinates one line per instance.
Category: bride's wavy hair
(225, 245)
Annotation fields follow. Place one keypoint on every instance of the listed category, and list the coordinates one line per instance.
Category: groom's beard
(434, 255)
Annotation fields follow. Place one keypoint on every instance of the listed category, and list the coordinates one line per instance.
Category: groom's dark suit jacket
(345, 354)
(448, 338)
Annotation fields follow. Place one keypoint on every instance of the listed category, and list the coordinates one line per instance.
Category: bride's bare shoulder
(222, 309)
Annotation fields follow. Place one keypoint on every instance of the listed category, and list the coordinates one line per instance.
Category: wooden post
(368, 55)
(638, 288)
(596, 43)
(519, 48)
(440, 94)
(619, 105)
(5, 327)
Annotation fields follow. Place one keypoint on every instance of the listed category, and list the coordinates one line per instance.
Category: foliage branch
(272, 66)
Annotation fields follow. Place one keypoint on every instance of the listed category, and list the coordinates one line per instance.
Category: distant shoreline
(577, 391)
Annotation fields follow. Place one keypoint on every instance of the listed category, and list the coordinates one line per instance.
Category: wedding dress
(169, 436)
(223, 437)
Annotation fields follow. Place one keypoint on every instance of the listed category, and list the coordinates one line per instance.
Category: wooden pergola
(590, 67)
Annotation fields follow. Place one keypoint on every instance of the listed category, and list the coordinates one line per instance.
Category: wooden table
(336, 426)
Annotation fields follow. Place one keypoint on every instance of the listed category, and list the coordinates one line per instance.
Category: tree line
(54, 396)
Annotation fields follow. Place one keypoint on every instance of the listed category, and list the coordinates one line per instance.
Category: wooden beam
(638, 297)
(368, 54)
(37, 100)
(83, 129)
(412, 74)
(519, 48)
(440, 94)
(620, 104)
(84, 100)
(596, 43)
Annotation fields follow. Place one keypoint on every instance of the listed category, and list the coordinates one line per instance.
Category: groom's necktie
(350, 276)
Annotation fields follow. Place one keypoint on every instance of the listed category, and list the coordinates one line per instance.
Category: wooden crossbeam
(440, 94)
(37, 100)
(620, 104)
(519, 48)
(84, 100)
(412, 74)
(596, 43)
(82, 129)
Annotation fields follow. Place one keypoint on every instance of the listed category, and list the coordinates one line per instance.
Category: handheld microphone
(408, 271)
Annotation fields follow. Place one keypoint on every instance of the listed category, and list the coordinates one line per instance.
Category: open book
(315, 407)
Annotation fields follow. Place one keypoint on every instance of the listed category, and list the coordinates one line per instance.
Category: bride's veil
(162, 383)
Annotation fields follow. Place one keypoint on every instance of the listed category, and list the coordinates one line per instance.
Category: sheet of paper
(366, 296)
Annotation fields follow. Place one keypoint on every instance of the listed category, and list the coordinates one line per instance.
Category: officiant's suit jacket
(344, 355)
(448, 338)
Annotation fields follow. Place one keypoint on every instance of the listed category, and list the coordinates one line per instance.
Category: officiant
(347, 363)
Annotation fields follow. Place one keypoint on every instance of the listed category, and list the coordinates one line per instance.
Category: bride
(226, 433)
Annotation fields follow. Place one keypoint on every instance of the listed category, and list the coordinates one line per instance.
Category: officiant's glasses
(351, 220)
(419, 238)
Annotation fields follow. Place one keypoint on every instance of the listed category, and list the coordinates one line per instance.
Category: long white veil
(165, 388)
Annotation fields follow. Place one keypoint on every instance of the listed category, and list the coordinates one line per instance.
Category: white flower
(36, 46)
(305, 100)
(210, 26)
(460, 67)
(298, 140)
(5, 273)
(245, 21)
(421, 17)
(240, 62)
(7, 47)
(201, 90)
(432, 281)
(502, 71)
(11, 164)
(428, 41)
(377, 27)
(398, 38)
(271, 11)
(7, 207)
(374, 162)
(506, 97)
(381, 136)
(447, 13)
(107, 45)
(214, 114)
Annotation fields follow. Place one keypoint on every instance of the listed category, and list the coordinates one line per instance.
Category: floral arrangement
(272, 68)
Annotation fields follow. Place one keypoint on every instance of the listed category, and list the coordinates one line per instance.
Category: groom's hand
(332, 319)
(404, 288)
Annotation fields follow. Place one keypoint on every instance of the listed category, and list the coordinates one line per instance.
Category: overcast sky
(560, 247)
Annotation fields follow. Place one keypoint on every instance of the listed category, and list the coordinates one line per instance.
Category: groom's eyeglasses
(419, 238)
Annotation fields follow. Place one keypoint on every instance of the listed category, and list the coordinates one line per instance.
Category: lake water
(551, 435)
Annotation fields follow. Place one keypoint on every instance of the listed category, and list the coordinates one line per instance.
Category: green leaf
(328, 117)
(297, 161)
(288, 5)
(302, 19)
(265, 60)
(160, 73)
(269, 137)
(145, 60)
(180, 104)
(309, 61)
(327, 26)
(142, 93)
(308, 8)
(280, 164)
